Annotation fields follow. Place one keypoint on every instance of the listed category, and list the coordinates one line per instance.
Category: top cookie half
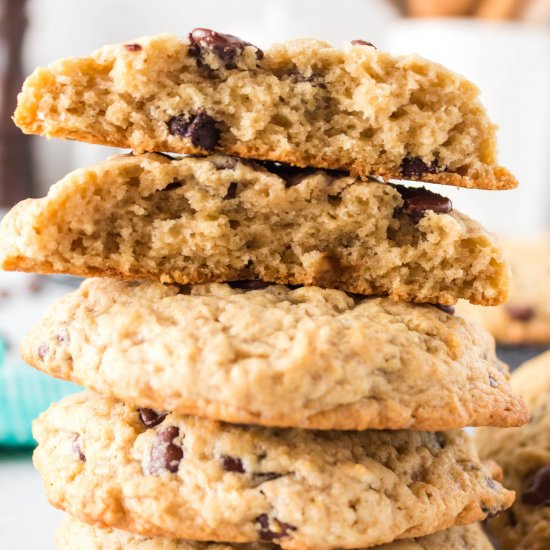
(302, 102)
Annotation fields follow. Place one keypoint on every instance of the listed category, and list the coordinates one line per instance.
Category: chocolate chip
(363, 43)
(445, 308)
(151, 418)
(232, 464)
(415, 167)
(254, 284)
(43, 350)
(418, 200)
(77, 448)
(492, 382)
(520, 313)
(184, 289)
(231, 191)
(226, 46)
(165, 455)
(538, 493)
(292, 175)
(201, 128)
(441, 440)
(512, 517)
(132, 47)
(176, 184)
(271, 530)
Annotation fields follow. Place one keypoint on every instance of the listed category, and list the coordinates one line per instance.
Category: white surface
(27, 521)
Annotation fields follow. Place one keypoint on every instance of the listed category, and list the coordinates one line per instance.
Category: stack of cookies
(271, 351)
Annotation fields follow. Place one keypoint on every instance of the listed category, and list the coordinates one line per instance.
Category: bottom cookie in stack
(524, 454)
(74, 534)
(183, 477)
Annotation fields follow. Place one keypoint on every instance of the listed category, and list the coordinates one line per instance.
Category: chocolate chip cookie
(249, 352)
(218, 218)
(525, 318)
(524, 454)
(155, 473)
(460, 537)
(303, 102)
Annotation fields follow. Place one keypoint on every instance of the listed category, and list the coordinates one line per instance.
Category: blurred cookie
(525, 318)
(524, 455)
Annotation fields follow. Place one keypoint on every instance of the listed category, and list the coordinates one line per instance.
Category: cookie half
(525, 318)
(73, 531)
(185, 477)
(304, 357)
(524, 455)
(197, 220)
(302, 102)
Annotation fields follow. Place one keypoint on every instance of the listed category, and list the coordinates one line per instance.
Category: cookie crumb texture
(196, 220)
(463, 537)
(524, 455)
(302, 102)
(307, 357)
(300, 489)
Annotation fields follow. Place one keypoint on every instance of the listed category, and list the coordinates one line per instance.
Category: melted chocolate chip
(512, 517)
(43, 350)
(225, 46)
(132, 47)
(176, 184)
(232, 464)
(151, 418)
(418, 200)
(201, 128)
(363, 43)
(445, 308)
(273, 530)
(231, 191)
(415, 167)
(254, 284)
(77, 448)
(292, 175)
(538, 494)
(520, 313)
(165, 455)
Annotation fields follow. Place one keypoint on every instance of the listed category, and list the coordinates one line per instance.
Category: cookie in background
(524, 455)
(521, 327)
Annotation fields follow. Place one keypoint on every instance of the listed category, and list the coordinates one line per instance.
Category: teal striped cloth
(24, 394)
